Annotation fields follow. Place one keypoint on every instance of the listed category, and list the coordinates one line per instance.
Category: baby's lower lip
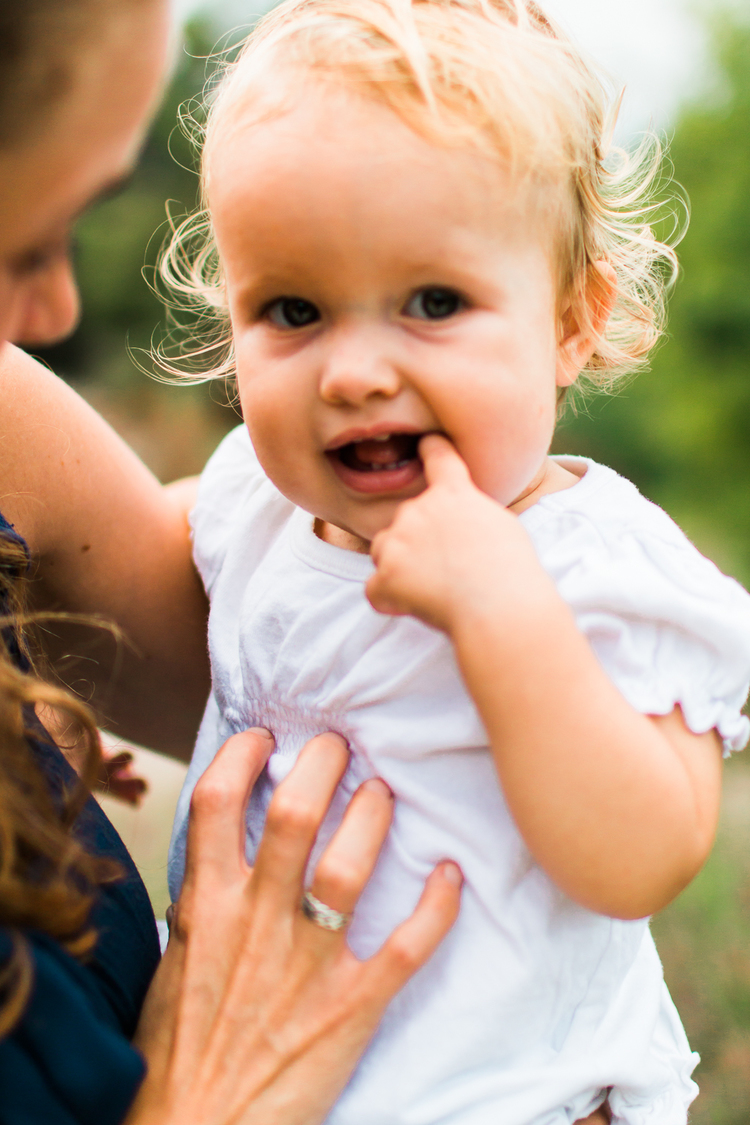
(381, 480)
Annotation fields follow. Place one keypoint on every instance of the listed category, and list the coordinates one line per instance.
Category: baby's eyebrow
(266, 286)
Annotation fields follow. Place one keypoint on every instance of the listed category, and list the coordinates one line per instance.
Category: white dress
(533, 1005)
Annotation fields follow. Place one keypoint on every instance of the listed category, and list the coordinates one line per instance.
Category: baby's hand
(117, 777)
(450, 550)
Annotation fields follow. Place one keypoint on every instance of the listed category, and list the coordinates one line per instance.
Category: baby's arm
(108, 540)
(620, 809)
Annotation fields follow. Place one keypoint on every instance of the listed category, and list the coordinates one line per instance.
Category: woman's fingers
(413, 942)
(349, 860)
(294, 816)
(216, 832)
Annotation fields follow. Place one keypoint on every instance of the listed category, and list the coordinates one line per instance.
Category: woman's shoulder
(64, 1061)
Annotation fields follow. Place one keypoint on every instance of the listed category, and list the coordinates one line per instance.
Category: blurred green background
(680, 431)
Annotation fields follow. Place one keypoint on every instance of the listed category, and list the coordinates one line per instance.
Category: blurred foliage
(682, 430)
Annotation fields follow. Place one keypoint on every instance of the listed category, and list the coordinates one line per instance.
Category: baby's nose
(355, 369)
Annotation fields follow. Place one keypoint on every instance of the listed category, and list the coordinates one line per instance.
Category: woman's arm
(619, 808)
(256, 1014)
(106, 540)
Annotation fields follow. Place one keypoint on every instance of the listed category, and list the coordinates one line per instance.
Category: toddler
(413, 235)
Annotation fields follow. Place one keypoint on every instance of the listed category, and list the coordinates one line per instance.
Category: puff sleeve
(666, 625)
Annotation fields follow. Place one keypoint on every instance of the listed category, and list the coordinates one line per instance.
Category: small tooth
(381, 437)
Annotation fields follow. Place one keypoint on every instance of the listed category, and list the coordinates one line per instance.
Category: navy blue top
(69, 1061)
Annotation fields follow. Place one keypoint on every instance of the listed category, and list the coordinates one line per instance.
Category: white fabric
(533, 1005)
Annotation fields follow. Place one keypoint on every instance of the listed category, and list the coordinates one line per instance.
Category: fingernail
(453, 874)
(377, 785)
(335, 734)
(261, 731)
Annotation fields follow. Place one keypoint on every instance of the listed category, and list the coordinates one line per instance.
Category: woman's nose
(356, 369)
(48, 307)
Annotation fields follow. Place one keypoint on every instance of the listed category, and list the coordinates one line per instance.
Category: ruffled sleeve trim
(667, 626)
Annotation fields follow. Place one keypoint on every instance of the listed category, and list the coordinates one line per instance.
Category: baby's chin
(353, 522)
(355, 527)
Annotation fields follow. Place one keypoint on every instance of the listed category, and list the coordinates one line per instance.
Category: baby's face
(380, 288)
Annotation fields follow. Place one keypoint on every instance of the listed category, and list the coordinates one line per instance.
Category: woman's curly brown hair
(47, 878)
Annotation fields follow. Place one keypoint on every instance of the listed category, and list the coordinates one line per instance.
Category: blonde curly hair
(492, 74)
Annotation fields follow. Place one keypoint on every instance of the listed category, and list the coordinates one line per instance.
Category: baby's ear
(583, 318)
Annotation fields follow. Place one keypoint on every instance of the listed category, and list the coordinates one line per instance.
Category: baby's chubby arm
(619, 808)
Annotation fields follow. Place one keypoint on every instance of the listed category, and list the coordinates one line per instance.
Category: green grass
(704, 942)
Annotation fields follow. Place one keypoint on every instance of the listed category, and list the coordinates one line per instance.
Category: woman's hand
(256, 1014)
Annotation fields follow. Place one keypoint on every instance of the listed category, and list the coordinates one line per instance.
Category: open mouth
(380, 454)
(386, 463)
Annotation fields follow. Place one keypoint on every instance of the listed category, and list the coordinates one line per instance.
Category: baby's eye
(434, 304)
(292, 312)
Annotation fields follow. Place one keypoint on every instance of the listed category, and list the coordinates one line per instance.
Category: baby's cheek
(507, 469)
(281, 446)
